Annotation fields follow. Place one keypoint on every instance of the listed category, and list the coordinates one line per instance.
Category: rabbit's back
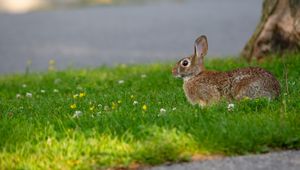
(253, 82)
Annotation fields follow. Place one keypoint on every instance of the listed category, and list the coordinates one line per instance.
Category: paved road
(288, 160)
(129, 33)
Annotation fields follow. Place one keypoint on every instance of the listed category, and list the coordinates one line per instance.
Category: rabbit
(205, 87)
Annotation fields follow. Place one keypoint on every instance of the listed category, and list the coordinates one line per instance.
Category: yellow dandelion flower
(73, 106)
(92, 108)
(82, 94)
(144, 107)
(113, 105)
(75, 96)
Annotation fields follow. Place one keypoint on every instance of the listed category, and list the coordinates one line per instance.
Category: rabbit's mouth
(182, 76)
(176, 73)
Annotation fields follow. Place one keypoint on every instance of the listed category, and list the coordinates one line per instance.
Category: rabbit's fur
(205, 87)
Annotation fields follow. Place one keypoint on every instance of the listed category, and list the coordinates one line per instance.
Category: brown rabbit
(205, 87)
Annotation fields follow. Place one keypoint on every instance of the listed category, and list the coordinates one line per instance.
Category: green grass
(41, 132)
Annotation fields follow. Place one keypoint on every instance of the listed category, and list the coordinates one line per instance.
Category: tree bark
(278, 30)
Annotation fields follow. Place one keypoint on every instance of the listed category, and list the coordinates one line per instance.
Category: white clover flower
(99, 105)
(230, 107)
(143, 76)
(55, 91)
(162, 110)
(135, 102)
(18, 96)
(77, 114)
(121, 81)
(174, 108)
(24, 85)
(106, 108)
(28, 94)
(43, 91)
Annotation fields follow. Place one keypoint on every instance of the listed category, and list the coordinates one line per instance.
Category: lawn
(137, 114)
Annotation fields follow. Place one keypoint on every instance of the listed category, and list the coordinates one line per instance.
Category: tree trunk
(278, 30)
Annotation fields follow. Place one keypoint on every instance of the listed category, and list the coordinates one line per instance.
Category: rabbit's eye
(185, 63)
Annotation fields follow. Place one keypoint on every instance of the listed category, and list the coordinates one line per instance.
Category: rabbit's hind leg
(252, 90)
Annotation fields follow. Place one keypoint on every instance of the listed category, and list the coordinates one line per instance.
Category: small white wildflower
(99, 105)
(162, 110)
(121, 81)
(230, 107)
(28, 95)
(77, 114)
(55, 91)
(43, 91)
(24, 85)
(135, 102)
(106, 108)
(174, 108)
(143, 76)
(18, 96)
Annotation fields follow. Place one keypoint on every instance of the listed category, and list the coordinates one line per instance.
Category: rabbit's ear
(201, 48)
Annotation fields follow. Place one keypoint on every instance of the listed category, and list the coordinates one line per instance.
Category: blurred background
(89, 33)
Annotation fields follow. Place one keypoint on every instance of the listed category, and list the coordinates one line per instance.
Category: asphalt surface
(287, 160)
(124, 34)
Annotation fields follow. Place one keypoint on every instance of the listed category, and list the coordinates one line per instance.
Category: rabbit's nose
(174, 71)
